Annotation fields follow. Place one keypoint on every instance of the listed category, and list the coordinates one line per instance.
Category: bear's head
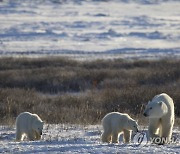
(155, 109)
(38, 126)
(132, 125)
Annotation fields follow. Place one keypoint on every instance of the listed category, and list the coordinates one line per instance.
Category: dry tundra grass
(61, 90)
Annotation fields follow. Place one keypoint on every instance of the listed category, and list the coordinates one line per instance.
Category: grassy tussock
(66, 91)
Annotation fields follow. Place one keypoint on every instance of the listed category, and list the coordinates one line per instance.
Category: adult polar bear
(160, 112)
(30, 125)
(115, 123)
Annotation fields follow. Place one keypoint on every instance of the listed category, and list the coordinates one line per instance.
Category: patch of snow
(67, 138)
(83, 29)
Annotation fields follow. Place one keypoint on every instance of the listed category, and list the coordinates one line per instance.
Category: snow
(90, 29)
(67, 138)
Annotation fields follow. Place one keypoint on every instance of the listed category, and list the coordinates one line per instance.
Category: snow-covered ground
(87, 29)
(90, 28)
(77, 139)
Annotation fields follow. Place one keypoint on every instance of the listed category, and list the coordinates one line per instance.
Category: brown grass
(61, 90)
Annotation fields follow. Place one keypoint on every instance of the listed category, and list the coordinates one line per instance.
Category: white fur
(160, 112)
(30, 125)
(114, 124)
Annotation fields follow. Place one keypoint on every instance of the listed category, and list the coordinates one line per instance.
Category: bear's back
(115, 116)
(24, 115)
(167, 100)
(23, 120)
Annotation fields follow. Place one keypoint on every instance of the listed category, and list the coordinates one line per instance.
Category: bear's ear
(164, 107)
(160, 103)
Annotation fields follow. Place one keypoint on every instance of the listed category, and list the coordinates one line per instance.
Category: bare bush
(61, 90)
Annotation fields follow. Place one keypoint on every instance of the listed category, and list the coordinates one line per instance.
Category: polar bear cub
(160, 112)
(114, 124)
(30, 125)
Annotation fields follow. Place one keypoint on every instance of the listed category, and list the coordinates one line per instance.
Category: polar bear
(114, 124)
(160, 112)
(30, 125)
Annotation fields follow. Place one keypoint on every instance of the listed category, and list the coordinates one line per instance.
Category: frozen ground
(90, 28)
(77, 139)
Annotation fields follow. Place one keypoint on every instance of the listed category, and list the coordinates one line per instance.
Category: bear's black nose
(40, 133)
(145, 114)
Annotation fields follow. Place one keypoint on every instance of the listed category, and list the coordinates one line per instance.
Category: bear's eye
(150, 108)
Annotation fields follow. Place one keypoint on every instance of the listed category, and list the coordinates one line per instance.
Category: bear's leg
(31, 136)
(115, 137)
(106, 137)
(38, 137)
(126, 136)
(160, 129)
(152, 129)
(166, 132)
(18, 135)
